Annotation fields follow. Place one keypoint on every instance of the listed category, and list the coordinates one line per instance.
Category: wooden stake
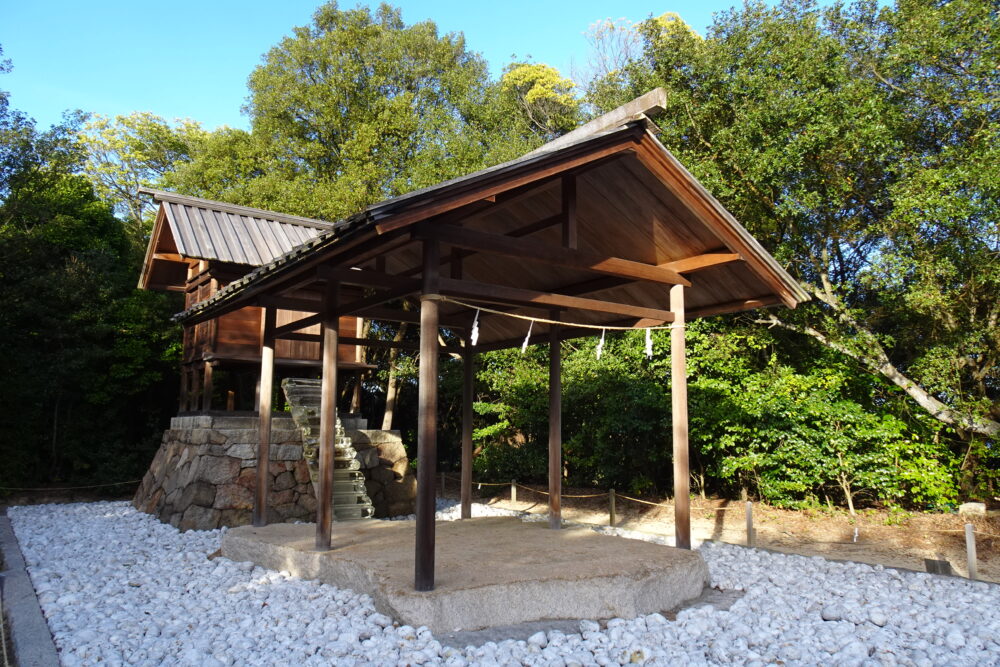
(513, 491)
(328, 417)
(679, 408)
(750, 535)
(555, 427)
(612, 519)
(427, 420)
(264, 420)
(970, 550)
(230, 400)
(467, 395)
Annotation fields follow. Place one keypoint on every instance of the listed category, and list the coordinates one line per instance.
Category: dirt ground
(901, 540)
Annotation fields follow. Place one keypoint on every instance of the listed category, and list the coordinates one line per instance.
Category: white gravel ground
(120, 588)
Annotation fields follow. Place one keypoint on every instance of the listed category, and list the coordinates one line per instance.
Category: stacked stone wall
(204, 474)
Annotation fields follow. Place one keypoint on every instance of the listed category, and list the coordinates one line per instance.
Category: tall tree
(860, 146)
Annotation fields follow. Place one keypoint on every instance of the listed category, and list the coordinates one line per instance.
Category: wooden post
(555, 427)
(230, 401)
(207, 387)
(468, 359)
(749, 524)
(195, 396)
(513, 491)
(328, 416)
(679, 408)
(970, 550)
(183, 402)
(264, 420)
(427, 420)
(356, 394)
(612, 519)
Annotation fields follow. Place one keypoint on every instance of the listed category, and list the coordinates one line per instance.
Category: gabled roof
(195, 228)
(637, 202)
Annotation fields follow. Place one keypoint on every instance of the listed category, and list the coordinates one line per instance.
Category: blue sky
(191, 59)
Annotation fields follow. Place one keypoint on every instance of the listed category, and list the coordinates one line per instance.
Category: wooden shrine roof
(642, 223)
(195, 228)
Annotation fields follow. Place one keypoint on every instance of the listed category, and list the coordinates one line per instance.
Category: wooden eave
(643, 223)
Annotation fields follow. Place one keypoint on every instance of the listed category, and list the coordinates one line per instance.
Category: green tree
(860, 146)
(83, 353)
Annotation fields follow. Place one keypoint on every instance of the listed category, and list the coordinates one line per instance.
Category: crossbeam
(537, 251)
(515, 295)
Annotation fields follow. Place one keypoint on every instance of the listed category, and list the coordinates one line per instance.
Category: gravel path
(120, 588)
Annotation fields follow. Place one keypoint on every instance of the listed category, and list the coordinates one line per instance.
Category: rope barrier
(548, 321)
(72, 488)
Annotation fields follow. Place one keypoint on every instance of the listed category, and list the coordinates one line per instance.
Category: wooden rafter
(532, 250)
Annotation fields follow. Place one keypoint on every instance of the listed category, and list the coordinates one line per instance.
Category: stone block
(247, 478)
(382, 475)
(242, 451)
(400, 468)
(281, 497)
(307, 502)
(235, 517)
(972, 509)
(368, 458)
(218, 469)
(292, 452)
(301, 471)
(404, 490)
(198, 493)
(285, 480)
(200, 518)
(233, 496)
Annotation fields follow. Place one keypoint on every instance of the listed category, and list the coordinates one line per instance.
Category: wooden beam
(528, 249)
(468, 379)
(379, 298)
(735, 306)
(291, 303)
(700, 262)
(207, 387)
(515, 295)
(427, 395)
(569, 226)
(504, 182)
(413, 317)
(285, 330)
(687, 265)
(170, 257)
(526, 230)
(261, 488)
(693, 195)
(555, 427)
(328, 417)
(679, 419)
(366, 278)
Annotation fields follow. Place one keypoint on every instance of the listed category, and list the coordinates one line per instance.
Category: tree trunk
(392, 384)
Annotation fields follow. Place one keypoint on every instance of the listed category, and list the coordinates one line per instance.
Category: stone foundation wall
(204, 474)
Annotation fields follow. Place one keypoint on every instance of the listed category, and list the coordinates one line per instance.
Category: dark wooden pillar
(427, 420)
(207, 386)
(195, 396)
(679, 409)
(555, 427)
(183, 400)
(328, 416)
(468, 362)
(264, 420)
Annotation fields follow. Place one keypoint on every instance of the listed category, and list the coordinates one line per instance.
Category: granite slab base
(490, 572)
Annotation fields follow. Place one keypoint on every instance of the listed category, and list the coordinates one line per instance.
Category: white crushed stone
(120, 588)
